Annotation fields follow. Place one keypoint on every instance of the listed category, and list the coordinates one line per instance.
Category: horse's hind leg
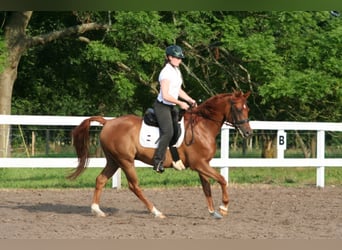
(205, 174)
(207, 192)
(101, 181)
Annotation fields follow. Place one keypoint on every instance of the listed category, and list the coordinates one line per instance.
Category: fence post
(320, 156)
(225, 151)
(281, 139)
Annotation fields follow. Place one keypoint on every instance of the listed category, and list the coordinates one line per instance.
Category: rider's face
(175, 61)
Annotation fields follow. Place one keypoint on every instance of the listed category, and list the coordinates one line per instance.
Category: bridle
(235, 123)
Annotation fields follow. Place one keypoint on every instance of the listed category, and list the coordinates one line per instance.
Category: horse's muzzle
(245, 130)
(247, 133)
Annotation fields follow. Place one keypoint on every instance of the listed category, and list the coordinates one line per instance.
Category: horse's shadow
(85, 211)
(61, 209)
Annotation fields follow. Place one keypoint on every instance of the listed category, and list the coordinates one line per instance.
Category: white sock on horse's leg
(95, 209)
(157, 213)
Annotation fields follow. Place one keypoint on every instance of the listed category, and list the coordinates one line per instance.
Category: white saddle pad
(149, 135)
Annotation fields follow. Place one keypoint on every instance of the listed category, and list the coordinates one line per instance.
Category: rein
(191, 122)
(235, 124)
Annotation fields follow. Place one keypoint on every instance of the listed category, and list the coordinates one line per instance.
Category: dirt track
(256, 212)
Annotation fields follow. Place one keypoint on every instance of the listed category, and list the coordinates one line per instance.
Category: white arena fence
(224, 162)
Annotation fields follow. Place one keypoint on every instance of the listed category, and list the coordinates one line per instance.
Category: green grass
(55, 178)
(283, 176)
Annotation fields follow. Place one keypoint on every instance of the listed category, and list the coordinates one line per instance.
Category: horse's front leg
(101, 181)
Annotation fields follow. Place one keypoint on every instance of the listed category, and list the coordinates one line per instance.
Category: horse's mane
(209, 108)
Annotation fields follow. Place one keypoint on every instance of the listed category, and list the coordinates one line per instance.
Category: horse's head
(238, 115)
(226, 108)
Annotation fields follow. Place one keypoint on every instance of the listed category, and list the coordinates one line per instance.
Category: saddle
(149, 134)
(150, 119)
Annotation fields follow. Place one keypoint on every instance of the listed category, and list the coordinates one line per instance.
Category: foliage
(3, 52)
(309, 88)
(291, 61)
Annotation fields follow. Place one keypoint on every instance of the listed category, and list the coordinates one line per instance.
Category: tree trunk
(314, 146)
(304, 148)
(7, 79)
(269, 149)
(234, 145)
(16, 46)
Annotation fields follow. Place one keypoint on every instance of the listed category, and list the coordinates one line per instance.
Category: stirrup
(159, 168)
(178, 165)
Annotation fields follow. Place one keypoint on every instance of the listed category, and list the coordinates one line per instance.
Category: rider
(170, 80)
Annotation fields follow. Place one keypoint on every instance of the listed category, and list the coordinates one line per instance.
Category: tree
(18, 41)
(309, 88)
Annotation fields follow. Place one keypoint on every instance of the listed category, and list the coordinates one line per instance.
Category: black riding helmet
(175, 51)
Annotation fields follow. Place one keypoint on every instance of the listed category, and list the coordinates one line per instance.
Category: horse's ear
(237, 93)
(247, 94)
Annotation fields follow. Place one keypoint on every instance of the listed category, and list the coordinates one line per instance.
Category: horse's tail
(80, 136)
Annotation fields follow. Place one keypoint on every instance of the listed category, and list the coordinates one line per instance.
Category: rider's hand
(192, 103)
(184, 106)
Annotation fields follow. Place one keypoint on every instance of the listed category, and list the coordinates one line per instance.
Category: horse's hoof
(224, 213)
(223, 210)
(97, 214)
(178, 165)
(216, 215)
(160, 216)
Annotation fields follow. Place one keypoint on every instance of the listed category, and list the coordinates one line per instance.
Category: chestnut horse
(120, 143)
